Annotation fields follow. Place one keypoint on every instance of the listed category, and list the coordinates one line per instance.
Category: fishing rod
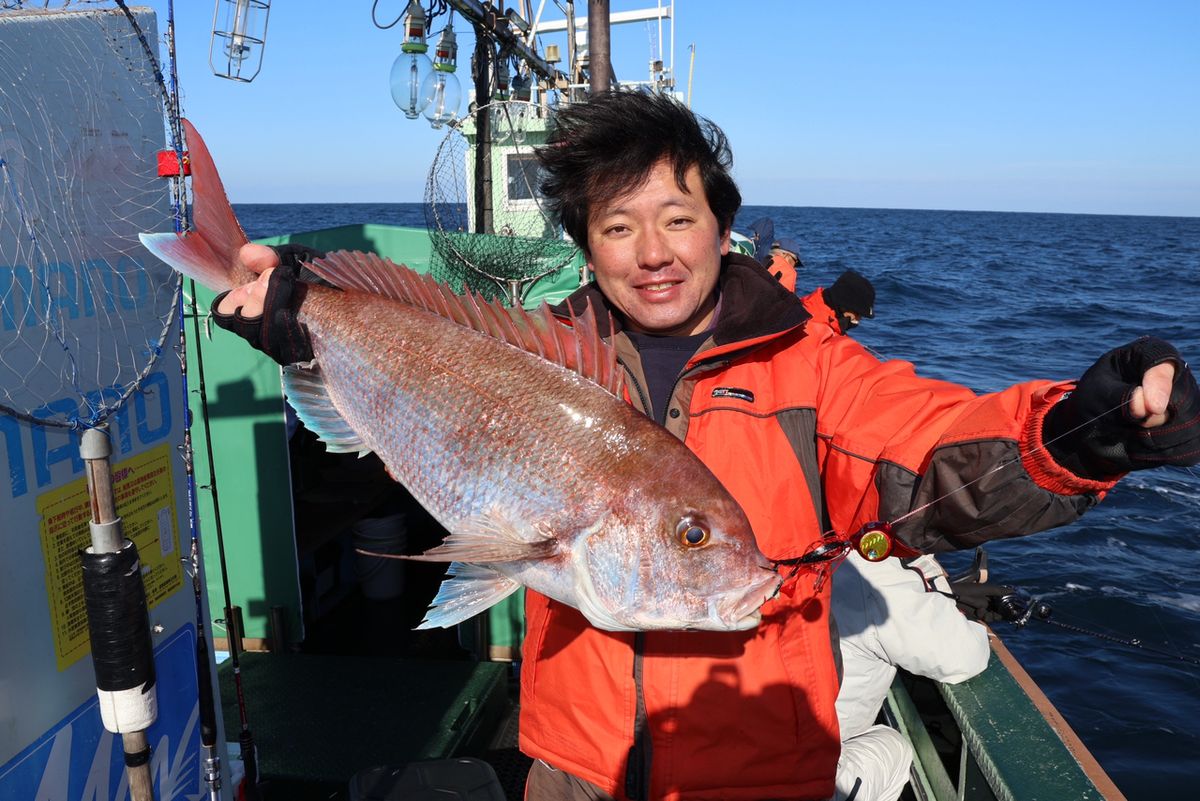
(1018, 608)
(210, 763)
(233, 632)
(176, 173)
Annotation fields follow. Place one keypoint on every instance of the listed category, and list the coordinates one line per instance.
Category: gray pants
(546, 783)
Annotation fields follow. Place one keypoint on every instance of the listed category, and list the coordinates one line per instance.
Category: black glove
(299, 256)
(980, 600)
(278, 331)
(1092, 433)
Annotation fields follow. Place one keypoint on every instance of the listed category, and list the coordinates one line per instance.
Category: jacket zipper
(641, 393)
(641, 753)
(637, 764)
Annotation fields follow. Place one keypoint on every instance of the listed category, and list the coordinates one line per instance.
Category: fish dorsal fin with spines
(577, 346)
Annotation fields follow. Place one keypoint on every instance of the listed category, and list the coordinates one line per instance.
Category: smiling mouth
(658, 287)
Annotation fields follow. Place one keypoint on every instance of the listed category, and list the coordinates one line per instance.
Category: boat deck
(319, 719)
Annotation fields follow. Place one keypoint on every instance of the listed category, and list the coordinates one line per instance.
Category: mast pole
(572, 53)
(598, 46)
(483, 131)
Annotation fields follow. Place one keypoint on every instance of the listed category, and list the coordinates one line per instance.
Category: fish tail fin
(208, 252)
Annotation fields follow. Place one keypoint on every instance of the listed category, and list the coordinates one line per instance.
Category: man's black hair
(604, 149)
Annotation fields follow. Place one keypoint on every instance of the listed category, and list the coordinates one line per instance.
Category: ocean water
(987, 299)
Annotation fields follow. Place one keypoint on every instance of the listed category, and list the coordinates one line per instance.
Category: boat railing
(995, 737)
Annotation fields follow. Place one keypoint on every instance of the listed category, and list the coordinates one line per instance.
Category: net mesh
(84, 309)
(499, 250)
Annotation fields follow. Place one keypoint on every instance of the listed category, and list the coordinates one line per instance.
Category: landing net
(84, 309)
(499, 247)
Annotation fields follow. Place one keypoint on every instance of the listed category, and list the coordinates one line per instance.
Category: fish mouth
(742, 610)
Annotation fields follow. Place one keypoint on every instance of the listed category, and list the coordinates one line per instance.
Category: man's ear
(726, 239)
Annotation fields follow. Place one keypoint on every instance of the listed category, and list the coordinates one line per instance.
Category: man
(716, 350)
(841, 307)
(844, 304)
(783, 262)
(762, 235)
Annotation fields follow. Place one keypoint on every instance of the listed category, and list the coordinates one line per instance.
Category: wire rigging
(436, 9)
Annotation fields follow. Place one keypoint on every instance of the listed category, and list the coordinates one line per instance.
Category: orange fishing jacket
(819, 310)
(783, 269)
(809, 433)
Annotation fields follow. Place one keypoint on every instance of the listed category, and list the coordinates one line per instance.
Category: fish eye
(692, 533)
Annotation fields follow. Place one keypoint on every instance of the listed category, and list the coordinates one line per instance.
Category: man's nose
(654, 250)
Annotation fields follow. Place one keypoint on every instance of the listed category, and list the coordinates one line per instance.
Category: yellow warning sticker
(143, 489)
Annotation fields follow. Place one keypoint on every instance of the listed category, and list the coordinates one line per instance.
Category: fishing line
(876, 540)
(1158, 617)
(1018, 611)
(1015, 460)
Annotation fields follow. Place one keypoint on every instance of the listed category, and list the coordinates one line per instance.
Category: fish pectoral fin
(306, 392)
(469, 590)
(492, 537)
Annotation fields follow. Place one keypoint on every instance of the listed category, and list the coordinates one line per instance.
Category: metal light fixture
(441, 87)
(522, 88)
(517, 21)
(522, 93)
(412, 66)
(501, 124)
(236, 47)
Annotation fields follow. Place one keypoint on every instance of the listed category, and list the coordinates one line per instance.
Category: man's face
(656, 253)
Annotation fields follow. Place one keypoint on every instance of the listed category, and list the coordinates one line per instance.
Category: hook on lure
(875, 541)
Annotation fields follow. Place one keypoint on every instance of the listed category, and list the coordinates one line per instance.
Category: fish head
(666, 560)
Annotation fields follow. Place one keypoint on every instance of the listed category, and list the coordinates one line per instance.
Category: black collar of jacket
(753, 303)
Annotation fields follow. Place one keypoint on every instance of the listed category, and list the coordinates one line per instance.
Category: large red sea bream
(510, 429)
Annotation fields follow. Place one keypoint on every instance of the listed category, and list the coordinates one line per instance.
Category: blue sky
(1086, 107)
